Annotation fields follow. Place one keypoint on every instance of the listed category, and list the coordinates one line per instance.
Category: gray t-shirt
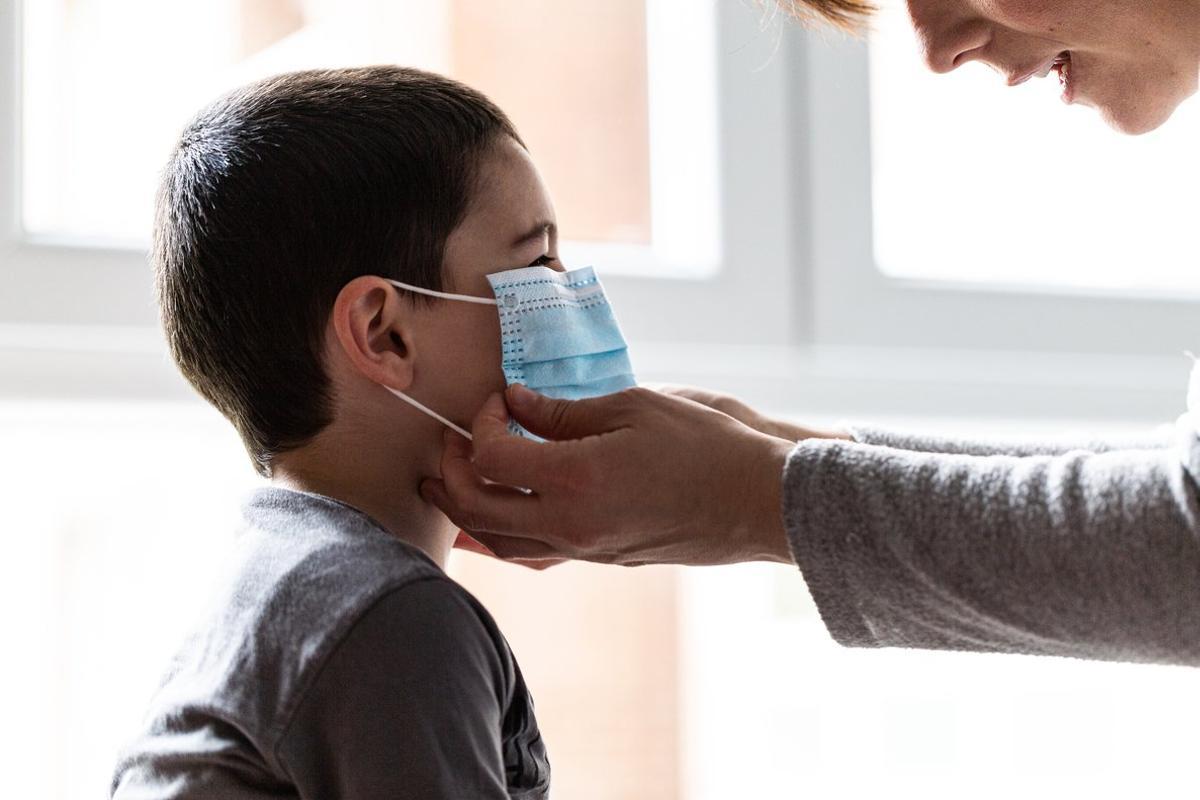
(337, 662)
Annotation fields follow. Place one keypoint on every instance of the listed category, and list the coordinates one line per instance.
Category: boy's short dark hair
(279, 194)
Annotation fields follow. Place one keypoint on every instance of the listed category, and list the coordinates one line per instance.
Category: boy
(339, 660)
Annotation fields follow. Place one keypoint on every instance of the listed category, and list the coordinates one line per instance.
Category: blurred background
(808, 221)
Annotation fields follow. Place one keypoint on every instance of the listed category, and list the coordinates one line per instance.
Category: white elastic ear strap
(466, 298)
(431, 412)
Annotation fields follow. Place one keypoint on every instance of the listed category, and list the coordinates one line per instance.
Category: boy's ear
(372, 327)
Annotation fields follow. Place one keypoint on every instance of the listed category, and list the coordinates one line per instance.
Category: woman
(1088, 549)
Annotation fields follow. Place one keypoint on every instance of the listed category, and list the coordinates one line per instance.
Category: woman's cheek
(1054, 17)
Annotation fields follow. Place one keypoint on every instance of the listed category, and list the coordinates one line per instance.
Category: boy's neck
(376, 484)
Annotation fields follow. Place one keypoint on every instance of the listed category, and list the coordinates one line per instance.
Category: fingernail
(520, 395)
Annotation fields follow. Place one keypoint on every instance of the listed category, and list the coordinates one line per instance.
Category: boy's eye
(542, 261)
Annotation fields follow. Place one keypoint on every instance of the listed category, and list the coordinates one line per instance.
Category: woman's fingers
(471, 545)
(503, 458)
(465, 542)
(655, 479)
(564, 419)
(469, 500)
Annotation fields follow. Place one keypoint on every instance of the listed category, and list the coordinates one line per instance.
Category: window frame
(101, 286)
(796, 318)
(857, 304)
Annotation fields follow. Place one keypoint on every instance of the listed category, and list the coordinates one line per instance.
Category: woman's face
(1132, 60)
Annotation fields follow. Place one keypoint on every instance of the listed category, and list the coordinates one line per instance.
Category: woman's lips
(1062, 65)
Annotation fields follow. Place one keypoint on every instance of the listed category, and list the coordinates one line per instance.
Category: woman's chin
(1134, 119)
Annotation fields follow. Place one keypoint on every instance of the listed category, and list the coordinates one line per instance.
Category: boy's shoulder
(304, 570)
(306, 566)
(327, 625)
(318, 553)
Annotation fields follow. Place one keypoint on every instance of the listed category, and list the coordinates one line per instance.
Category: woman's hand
(637, 477)
(728, 404)
(464, 542)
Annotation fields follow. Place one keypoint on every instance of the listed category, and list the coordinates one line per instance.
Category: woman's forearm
(1095, 555)
(1005, 445)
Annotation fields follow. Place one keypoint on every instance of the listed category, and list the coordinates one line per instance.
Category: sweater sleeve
(928, 443)
(1087, 554)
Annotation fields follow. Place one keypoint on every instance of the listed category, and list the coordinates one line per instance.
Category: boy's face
(509, 223)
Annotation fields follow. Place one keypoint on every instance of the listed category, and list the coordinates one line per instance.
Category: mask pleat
(577, 371)
(591, 389)
(559, 335)
(561, 332)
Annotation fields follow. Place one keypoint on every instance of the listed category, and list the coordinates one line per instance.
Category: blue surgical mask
(558, 335)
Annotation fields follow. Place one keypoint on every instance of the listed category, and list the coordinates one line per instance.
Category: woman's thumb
(552, 418)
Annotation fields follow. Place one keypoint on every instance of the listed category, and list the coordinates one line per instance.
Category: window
(685, 128)
(746, 189)
(658, 123)
(778, 711)
(959, 158)
(896, 264)
(110, 560)
(625, 175)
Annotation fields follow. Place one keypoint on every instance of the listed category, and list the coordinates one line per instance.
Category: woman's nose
(948, 35)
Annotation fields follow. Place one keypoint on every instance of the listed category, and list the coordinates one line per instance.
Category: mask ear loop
(422, 407)
(466, 298)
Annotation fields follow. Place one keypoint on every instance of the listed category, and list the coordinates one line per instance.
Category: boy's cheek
(473, 371)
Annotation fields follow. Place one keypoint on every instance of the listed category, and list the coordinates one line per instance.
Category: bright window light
(616, 100)
(978, 182)
(125, 516)
(776, 709)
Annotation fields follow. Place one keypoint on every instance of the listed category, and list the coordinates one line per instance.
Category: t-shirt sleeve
(1092, 555)
(408, 704)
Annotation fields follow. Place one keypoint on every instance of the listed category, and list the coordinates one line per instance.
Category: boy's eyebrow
(540, 229)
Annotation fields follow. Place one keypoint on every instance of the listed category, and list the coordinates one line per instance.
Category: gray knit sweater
(1062, 548)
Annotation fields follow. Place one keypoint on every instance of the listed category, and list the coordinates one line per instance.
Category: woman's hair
(277, 196)
(845, 14)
